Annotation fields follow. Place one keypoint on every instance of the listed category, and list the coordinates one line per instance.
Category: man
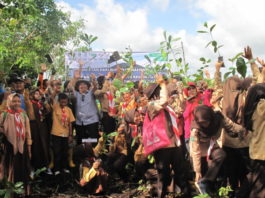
(87, 118)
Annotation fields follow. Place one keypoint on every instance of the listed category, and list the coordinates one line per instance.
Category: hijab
(203, 113)
(255, 94)
(234, 98)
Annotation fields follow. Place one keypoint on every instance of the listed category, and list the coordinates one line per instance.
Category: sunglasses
(83, 98)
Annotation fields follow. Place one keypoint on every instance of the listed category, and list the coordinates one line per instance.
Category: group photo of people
(201, 137)
(132, 99)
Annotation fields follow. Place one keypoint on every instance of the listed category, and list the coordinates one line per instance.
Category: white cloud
(239, 23)
(160, 4)
(116, 27)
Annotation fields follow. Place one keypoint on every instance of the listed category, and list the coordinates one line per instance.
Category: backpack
(154, 133)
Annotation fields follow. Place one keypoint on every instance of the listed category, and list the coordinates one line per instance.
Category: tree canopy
(31, 29)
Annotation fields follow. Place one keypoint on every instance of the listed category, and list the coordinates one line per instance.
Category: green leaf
(214, 43)
(176, 39)
(129, 85)
(37, 172)
(211, 29)
(201, 31)
(124, 90)
(117, 83)
(18, 184)
(2, 191)
(165, 35)
(208, 44)
(113, 134)
(215, 49)
(169, 38)
(227, 74)
(148, 59)
(202, 59)
(205, 24)
(241, 67)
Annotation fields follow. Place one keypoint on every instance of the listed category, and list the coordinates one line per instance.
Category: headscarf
(18, 122)
(206, 113)
(234, 98)
(255, 93)
(38, 104)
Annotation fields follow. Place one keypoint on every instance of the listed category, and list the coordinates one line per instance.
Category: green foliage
(199, 75)
(208, 30)
(224, 192)
(202, 196)
(151, 159)
(9, 188)
(30, 29)
(240, 68)
(170, 53)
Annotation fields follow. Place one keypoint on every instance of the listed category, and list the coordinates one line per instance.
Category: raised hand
(159, 78)
(218, 65)
(77, 74)
(207, 74)
(81, 63)
(247, 53)
(261, 61)
(92, 77)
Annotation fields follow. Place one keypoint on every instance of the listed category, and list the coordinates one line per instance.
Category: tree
(31, 29)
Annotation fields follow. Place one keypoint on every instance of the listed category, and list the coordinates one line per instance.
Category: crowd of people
(210, 135)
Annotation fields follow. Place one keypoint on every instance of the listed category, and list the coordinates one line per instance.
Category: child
(117, 157)
(37, 110)
(61, 133)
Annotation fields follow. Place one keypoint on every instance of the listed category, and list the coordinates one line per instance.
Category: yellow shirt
(256, 145)
(58, 128)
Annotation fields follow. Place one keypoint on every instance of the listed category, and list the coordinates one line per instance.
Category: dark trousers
(116, 162)
(254, 186)
(87, 131)
(236, 164)
(108, 122)
(168, 160)
(214, 164)
(60, 150)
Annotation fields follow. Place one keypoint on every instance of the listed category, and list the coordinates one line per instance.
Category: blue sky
(140, 24)
(176, 16)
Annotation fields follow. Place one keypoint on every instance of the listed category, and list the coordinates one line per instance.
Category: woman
(254, 120)
(160, 139)
(205, 143)
(193, 100)
(15, 128)
(236, 162)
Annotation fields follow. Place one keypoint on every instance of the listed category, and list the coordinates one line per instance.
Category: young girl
(37, 111)
(15, 162)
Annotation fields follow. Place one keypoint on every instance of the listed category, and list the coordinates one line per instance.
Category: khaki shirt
(58, 129)
(257, 141)
(199, 148)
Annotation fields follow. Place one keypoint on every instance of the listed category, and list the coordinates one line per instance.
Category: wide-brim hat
(18, 79)
(80, 82)
(148, 91)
